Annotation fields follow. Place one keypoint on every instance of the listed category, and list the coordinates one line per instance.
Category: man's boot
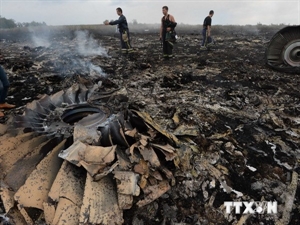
(6, 106)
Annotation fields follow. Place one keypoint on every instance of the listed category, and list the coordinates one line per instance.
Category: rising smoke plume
(88, 46)
(40, 36)
(72, 55)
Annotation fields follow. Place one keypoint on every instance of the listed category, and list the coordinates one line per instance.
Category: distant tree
(10, 23)
(7, 23)
(19, 24)
(34, 24)
(134, 22)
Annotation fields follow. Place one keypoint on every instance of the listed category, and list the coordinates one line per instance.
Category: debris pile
(127, 149)
(223, 128)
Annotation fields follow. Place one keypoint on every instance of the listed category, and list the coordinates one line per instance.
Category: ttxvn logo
(252, 207)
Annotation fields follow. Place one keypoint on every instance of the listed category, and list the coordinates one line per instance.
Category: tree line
(10, 23)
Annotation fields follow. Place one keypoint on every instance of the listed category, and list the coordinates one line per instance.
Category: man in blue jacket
(124, 31)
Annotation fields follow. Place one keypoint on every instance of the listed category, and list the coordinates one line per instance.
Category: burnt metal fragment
(283, 51)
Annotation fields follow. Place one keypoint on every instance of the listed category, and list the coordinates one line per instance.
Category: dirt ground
(246, 114)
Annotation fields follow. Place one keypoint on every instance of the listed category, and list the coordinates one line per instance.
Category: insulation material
(66, 213)
(127, 183)
(36, 188)
(92, 158)
(12, 156)
(154, 192)
(100, 204)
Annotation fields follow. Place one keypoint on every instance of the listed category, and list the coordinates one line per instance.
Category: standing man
(166, 29)
(207, 40)
(124, 31)
(4, 85)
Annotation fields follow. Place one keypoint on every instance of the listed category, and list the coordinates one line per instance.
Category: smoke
(40, 41)
(87, 66)
(88, 46)
(40, 36)
(72, 56)
(251, 30)
(96, 69)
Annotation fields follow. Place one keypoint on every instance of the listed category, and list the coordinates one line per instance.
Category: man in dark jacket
(207, 40)
(124, 31)
(167, 28)
(4, 85)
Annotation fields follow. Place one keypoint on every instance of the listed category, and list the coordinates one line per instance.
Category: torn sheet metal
(149, 155)
(36, 188)
(20, 171)
(156, 174)
(3, 129)
(127, 182)
(192, 144)
(100, 204)
(88, 135)
(69, 183)
(125, 201)
(71, 154)
(147, 118)
(131, 133)
(11, 157)
(67, 213)
(68, 193)
(144, 140)
(183, 159)
(7, 197)
(183, 130)
(112, 131)
(176, 118)
(57, 98)
(106, 171)
(15, 217)
(167, 150)
(142, 168)
(154, 192)
(143, 182)
(69, 95)
(25, 215)
(124, 162)
(11, 143)
(168, 174)
(92, 158)
(132, 152)
(49, 212)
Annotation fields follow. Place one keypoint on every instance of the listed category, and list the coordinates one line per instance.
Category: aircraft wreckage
(75, 160)
(78, 162)
(283, 51)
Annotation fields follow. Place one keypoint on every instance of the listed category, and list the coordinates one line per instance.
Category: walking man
(166, 30)
(124, 31)
(207, 40)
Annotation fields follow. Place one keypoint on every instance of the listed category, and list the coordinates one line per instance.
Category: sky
(71, 12)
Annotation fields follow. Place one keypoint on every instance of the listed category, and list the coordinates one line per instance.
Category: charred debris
(103, 139)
